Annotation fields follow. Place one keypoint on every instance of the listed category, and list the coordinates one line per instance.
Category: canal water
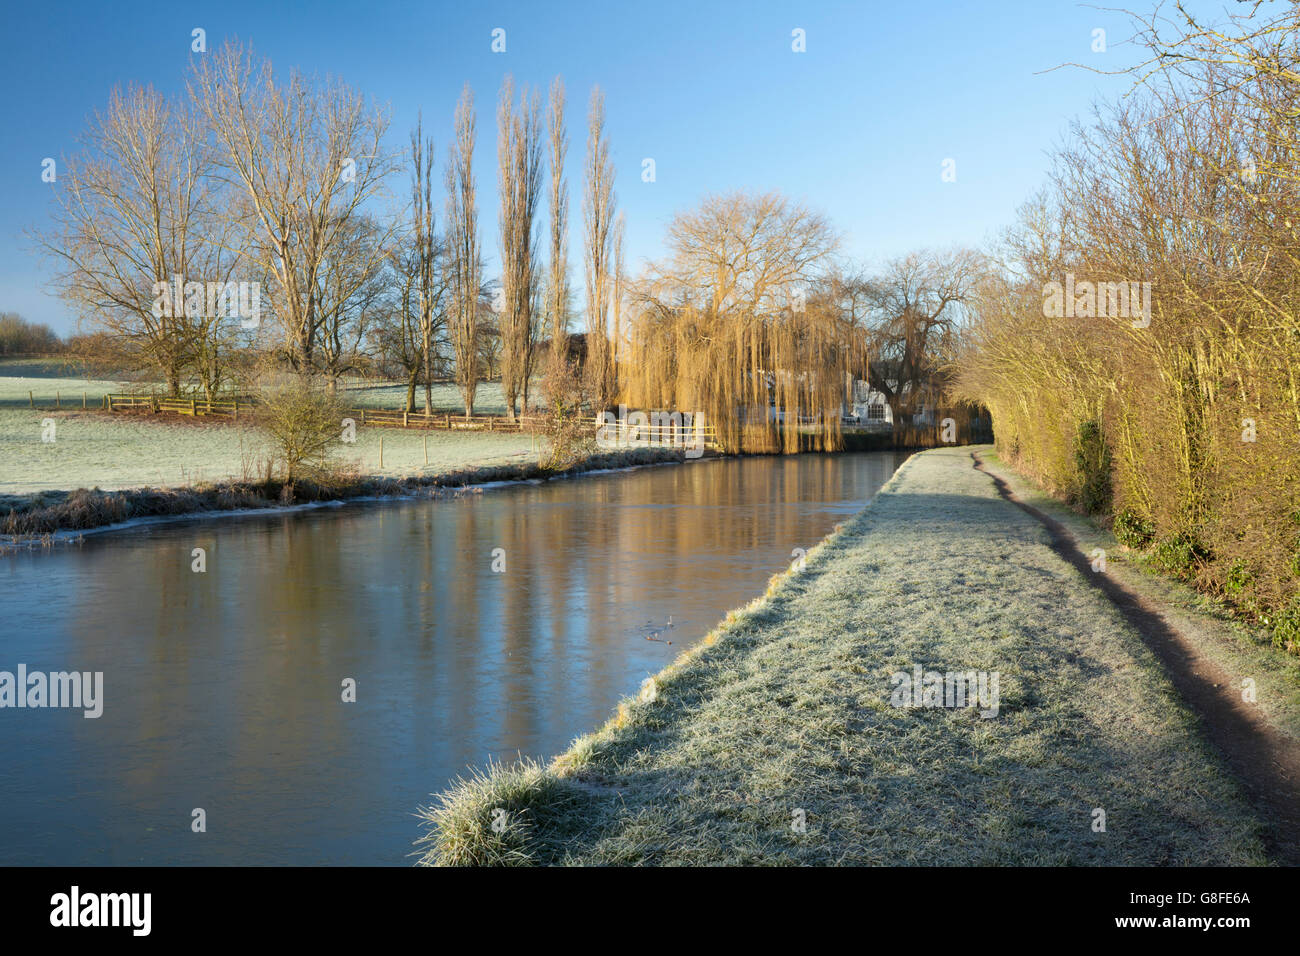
(488, 626)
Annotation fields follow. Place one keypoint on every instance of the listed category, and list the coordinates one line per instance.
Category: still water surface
(222, 690)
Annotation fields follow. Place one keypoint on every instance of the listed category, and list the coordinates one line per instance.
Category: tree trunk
(428, 372)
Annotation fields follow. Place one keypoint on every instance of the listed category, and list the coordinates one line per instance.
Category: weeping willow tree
(733, 325)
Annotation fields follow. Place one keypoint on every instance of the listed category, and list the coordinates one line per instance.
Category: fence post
(58, 399)
(30, 401)
(83, 399)
(405, 412)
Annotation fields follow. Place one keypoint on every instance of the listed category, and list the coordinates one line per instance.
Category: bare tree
(349, 286)
(557, 289)
(488, 336)
(430, 284)
(519, 151)
(410, 348)
(616, 302)
(464, 258)
(598, 209)
(396, 333)
(915, 307)
(136, 223)
(306, 158)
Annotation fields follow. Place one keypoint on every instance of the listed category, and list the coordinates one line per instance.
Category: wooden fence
(444, 421)
(620, 434)
(180, 406)
(379, 417)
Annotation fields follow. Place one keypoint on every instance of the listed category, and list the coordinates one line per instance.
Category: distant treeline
(20, 337)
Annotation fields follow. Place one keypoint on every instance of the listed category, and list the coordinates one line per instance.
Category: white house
(870, 408)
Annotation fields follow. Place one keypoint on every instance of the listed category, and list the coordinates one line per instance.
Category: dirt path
(1266, 762)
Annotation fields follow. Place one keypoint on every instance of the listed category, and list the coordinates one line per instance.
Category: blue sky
(857, 126)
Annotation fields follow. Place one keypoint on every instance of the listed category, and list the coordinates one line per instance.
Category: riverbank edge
(458, 829)
(462, 824)
(84, 511)
(1209, 625)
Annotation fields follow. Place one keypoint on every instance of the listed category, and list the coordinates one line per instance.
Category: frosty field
(112, 452)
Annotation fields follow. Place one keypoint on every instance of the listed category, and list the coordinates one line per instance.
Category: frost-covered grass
(1240, 650)
(44, 377)
(93, 449)
(783, 714)
(42, 382)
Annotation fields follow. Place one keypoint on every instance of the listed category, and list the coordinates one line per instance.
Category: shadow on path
(1266, 762)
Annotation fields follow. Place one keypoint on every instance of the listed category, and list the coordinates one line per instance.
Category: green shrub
(1294, 563)
(1238, 580)
(1092, 468)
(1132, 530)
(1286, 629)
(1177, 555)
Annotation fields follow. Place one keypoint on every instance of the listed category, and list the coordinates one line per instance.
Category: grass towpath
(775, 741)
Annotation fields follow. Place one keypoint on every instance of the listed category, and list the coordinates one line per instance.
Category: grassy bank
(783, 715)
(82, 510)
